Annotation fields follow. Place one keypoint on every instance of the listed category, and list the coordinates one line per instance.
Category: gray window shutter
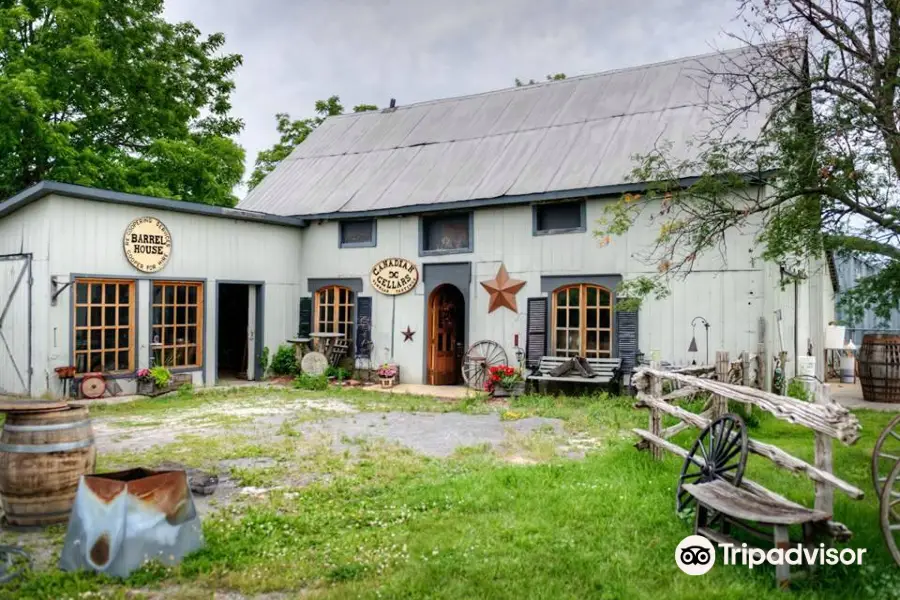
(305, 317)
(627, 338)
(536, 338)
(363, 326)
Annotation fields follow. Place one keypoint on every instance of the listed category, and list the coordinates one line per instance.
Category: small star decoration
(503, 290)
(408, 334)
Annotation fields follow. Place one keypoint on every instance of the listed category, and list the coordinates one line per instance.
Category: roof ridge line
(538, 84)
(492, 135)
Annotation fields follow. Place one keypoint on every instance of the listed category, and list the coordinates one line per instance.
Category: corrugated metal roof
(558, 136)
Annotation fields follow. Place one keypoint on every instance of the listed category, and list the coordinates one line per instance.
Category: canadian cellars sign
(148, 244)
(394, 276)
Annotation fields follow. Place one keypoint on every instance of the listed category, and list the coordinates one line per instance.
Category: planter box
(515, 391)
(150, 388)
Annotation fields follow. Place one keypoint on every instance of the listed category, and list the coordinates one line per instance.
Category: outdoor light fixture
(693, 347)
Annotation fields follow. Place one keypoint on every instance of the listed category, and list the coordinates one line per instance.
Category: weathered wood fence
(826, 419)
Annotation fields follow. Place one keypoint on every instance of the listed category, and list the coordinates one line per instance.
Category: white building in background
(455, 189)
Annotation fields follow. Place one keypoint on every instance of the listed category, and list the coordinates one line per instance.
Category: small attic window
(559, 217)
(446, 234)
(357, 234)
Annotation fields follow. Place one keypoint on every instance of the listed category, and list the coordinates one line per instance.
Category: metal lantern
(693, 347)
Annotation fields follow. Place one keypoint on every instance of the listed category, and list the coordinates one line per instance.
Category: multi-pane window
(176, 336)
(104, 326)
(447, 233)
(335, 311)
(582, 321)
(357, 234)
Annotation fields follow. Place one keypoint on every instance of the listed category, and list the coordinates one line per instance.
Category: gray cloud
(368, 51)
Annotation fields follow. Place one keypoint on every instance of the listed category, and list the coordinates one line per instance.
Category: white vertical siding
(70, 237)
(86, 239)
(730, 294)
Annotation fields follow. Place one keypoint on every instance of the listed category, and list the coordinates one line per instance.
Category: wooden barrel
(42, 456)
(879, 367)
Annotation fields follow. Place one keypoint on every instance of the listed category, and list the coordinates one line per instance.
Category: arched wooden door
(446, 335)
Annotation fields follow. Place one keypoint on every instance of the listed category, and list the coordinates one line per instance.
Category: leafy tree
(106, 93)
(827, 74)
(553, 77)
(293, 133)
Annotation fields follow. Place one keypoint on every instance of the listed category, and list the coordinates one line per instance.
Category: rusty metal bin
(121, 520)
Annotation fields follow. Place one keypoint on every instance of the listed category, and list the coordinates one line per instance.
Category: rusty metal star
(408, 334)
(503, 290)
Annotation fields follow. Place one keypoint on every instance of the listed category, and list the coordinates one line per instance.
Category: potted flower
(387, 374)
(144, 382)
(504, 381)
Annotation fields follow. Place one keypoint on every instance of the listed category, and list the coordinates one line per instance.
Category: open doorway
(237, 322)
(446, 335)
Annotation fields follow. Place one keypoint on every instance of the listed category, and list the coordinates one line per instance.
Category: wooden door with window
(446, 335)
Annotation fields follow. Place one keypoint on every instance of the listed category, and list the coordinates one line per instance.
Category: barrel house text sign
(394, 276)
(148, 244)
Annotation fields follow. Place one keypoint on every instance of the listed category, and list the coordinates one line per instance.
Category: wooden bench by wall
(606, 370)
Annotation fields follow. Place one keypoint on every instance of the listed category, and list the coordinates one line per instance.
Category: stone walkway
(850, 395)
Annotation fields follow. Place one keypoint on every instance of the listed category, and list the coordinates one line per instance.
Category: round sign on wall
(394, 276)
(148, 244)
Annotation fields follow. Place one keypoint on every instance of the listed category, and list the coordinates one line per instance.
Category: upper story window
(559, 217)
(357, 234)
(446, 234)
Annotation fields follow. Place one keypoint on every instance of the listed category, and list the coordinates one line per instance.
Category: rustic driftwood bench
(606, 370)
(712, 477)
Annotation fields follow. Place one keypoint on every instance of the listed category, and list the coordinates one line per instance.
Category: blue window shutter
(363, 326)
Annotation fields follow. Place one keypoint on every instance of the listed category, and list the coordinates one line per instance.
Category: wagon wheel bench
(886, 479)
(713, 478)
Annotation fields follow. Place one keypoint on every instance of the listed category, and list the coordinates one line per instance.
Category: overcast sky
(368, 51)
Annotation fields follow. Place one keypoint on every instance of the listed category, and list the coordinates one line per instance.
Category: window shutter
(363, 326)
(627, 338)
(536, 340)
(305, 317)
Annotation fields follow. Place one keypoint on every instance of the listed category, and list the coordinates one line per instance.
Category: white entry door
(251, 332)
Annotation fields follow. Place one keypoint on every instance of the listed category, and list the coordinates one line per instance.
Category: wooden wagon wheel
(480, 357)
(886, 454)
(93, 386)
(720, 452)
(890, 511)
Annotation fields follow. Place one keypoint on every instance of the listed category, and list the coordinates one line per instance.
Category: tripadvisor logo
(695, 555)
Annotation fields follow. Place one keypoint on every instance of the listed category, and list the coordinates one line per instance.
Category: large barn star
(503, 290)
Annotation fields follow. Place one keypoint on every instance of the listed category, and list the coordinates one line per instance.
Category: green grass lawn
(392, 524)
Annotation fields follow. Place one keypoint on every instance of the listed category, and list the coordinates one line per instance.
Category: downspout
(784, 272)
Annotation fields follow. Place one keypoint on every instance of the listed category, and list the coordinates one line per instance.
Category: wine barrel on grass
(43, 454)
(879, 367)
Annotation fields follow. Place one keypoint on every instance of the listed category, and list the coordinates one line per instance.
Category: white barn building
(457, 187)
